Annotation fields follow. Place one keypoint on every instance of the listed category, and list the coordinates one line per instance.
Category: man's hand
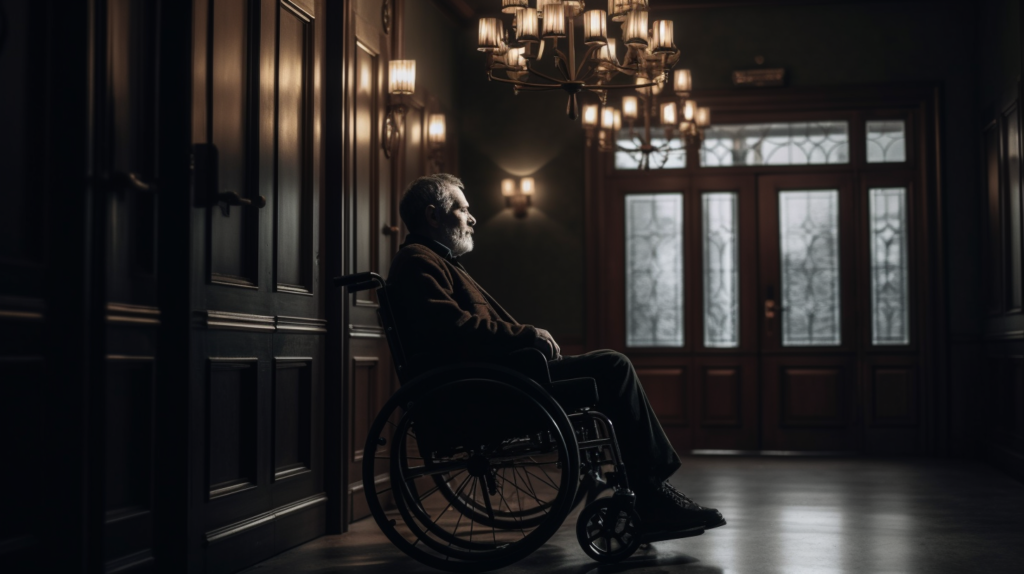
(547, 345)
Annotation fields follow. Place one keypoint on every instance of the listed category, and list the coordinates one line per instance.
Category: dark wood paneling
(1011, 208)
(894, 397)
(808, 403)
(668, 390)
(721, 397)
(812, 397)
(232, 421)
(292, 416)
(994, 223)
(293, 256)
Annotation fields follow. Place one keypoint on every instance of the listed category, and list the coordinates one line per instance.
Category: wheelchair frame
(607, 528)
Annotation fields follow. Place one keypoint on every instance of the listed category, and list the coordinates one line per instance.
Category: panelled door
(256, 415)
(769, 293)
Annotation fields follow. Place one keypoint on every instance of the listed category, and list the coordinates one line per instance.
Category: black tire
(440, 462)
(608, 531)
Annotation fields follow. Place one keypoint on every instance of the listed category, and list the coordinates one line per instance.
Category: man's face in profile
(457, 225)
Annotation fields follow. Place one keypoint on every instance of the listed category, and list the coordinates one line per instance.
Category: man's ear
(430, 216)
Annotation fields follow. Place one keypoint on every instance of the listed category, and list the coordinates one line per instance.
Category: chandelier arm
(586, 59)
(616, 86)
(542, 75)
(522, 84)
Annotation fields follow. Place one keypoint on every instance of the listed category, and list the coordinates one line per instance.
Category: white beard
(459, 241)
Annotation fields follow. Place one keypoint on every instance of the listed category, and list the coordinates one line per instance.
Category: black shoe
(667, 509)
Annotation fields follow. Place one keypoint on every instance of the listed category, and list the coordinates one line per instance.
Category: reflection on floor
(786, 515)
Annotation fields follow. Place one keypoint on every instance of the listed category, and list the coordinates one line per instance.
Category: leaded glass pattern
(654, 270)
(886, 141)
(721, 269)
(809, 253)
(890, 307)
(790, 143)
(668, 153)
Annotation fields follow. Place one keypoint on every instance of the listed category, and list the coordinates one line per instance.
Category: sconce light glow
(689, 110)
(683, 83)
(668, 113)
(402, 77)
(703, 117)
(526, 186)
(629, 107)
(590, 115)
(607, 118)
(436, 130)
(508, 187)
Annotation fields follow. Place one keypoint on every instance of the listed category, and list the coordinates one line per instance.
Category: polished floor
(786, 515)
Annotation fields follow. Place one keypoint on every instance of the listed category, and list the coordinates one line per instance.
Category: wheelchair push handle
(360, 281)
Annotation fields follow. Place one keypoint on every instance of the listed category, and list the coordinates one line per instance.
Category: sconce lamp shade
(683, 83)
(436, 130)
(590, 115)
(668, 114)
(526, 31)
(629, 107)
(607, 118)
(402, 77)
(514, 59)
(617, 120)
(509, 6)
(526, 186)
(634, 32)
(663, 39)
(489, 35)
(689, 110)
(703, 117)
(594, 27)
(508, 187)
(554, 21)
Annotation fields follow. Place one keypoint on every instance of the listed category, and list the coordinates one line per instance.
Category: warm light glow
(703, 117)
(634, 32)
(683, 82)
(629, 107)
(668, 113)
(554, 21)
(541, 4)
(617, 120)
(489, 35)
(607, 53)
(594, 27)
(526, 186)
(526, 31)
(658, 85)
(509, 6)
(436, 129)
(663, 39)
(590, 115)
(574, 7)
(508, 187)
(402, 77)
(607, 118)
(689, 110)
(640, 81)
(619, 8)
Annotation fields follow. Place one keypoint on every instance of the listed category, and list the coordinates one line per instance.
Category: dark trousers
(646, 451)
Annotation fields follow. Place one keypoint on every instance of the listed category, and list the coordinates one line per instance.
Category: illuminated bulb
(703, 117)
(402, 77)
(526, 186)
(436, 129)
(508, 187)
(607, 118)
(590, 112)
(668, 114)
(689, 110)
(629, 107)
(683, 83)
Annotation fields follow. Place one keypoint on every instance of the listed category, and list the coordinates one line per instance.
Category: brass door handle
(771, 308)
(390, 230)
(228, 198)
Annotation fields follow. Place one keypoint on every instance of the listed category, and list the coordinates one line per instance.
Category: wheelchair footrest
(659, 536)
(575, 394)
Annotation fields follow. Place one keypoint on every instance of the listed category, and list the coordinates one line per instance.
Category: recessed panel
(231, 426)
(894, 391)
(365, 375)
(292, 420)
(365, 162)
(128, 425)
(1014, 259)
(812, 397)
(720, 391)
(294, 200)
(666, 390)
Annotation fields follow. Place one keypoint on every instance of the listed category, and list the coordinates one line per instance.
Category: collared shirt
(434, 245)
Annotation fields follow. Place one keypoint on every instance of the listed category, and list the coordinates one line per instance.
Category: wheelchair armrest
(532, 363)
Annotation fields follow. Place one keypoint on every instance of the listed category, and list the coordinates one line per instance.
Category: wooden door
(371, 224)
(808, 290)
(256, 420)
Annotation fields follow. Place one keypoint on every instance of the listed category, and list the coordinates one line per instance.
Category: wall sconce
(401, 82)
(518, 197)
(436, 133)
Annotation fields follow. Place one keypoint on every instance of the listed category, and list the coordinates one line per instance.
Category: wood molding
(236, 321)
(219, 534)
(22, 309)
(129, 562)
(125, 313)
(365, 332)
(301, 325)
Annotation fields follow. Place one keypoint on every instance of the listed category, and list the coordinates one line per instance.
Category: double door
(766, 312)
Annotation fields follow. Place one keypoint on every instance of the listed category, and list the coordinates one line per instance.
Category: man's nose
(471, 221)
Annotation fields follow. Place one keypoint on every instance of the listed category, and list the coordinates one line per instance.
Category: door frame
(918, 105)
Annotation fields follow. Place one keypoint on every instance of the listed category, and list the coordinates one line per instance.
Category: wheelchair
(472, 467)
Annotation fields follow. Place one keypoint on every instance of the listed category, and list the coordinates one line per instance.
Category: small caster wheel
(608, 530)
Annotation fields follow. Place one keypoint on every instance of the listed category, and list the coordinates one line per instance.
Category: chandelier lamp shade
(517, 41)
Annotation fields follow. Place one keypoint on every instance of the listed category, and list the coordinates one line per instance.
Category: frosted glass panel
(886, 141)
(809, 251)
(654, 270)
(721, 270)
(890, 308)
(793, 143)
(667, 153)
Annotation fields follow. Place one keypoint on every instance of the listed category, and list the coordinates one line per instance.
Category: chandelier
(515, 52)
(651, 147)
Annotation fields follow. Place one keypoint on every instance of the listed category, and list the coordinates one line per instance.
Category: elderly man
(448, 317)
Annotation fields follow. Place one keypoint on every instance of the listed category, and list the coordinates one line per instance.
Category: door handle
(228, 198)
(770, 309)
(389, 230)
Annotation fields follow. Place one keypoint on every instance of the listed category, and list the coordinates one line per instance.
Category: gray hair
(425, 191)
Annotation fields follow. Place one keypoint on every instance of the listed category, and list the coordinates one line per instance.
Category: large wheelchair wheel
(470, 469)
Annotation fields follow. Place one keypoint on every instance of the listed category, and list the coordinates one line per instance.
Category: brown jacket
(443, 315)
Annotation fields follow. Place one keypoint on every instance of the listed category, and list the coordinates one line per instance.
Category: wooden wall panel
(293, 406)
(894, 396)
(994, 221)
(1011, 209)
(293, 231)
(365, 164)
(812, 397)
(232, 420)
(668, 390)
(721, 397)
